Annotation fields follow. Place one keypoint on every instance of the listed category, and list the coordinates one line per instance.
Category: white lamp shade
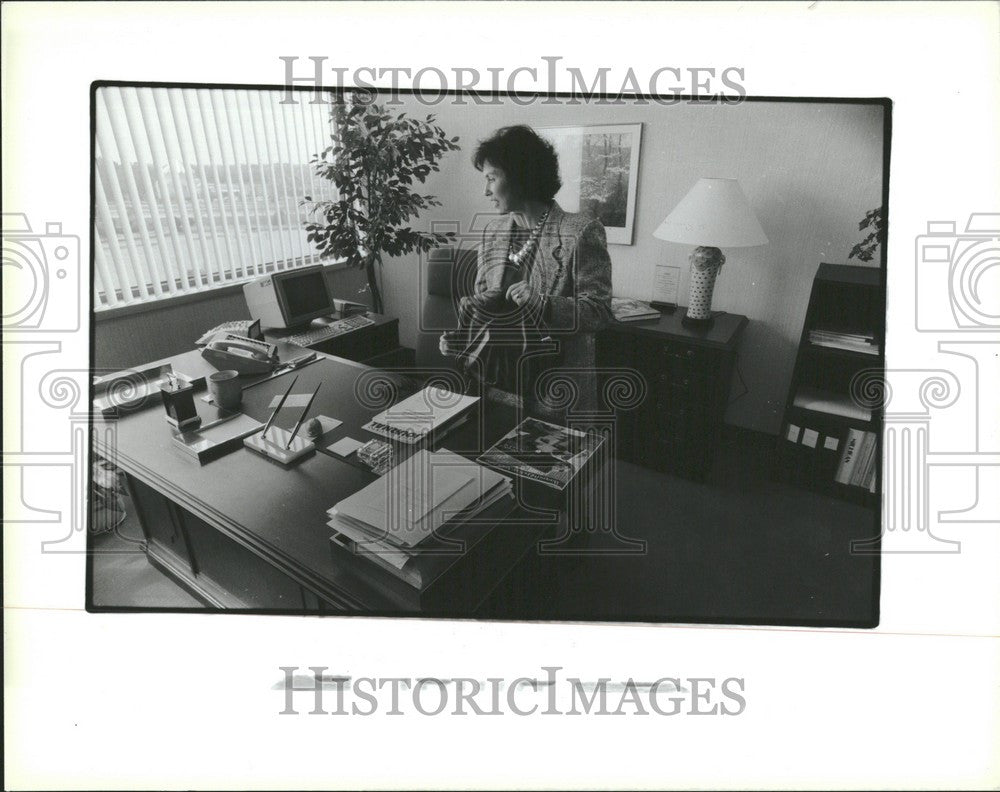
(715, 213)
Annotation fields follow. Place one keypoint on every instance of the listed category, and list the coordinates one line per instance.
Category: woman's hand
(523, 295)
(448, 345)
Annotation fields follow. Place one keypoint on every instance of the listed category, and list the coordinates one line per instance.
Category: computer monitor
(290, 298)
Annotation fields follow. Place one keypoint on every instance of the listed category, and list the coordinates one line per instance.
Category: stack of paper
(628, 310)
(831, 403)
(854, 342)
(429, 495)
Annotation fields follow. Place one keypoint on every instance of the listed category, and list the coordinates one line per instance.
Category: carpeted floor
(124, 578)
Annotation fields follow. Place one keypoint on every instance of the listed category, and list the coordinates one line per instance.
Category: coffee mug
(225, 389)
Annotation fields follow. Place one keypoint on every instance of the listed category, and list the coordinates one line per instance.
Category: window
(196, 188)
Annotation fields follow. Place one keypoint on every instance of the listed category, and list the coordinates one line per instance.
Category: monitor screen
(304, 295)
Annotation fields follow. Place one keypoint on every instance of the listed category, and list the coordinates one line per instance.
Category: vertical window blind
(195, 188)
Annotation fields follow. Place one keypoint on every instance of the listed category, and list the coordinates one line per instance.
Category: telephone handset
(242, 354)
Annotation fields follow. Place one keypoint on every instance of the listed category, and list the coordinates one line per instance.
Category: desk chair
(450, 274)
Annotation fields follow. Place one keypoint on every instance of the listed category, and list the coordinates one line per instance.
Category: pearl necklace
(519, 258)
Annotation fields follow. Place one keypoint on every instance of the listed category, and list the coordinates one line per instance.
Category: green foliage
(374, 162)
(865, 249)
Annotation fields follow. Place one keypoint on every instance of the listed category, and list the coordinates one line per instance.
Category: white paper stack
(629, 310)
(831, 403)
(392, 521)
(854, 342)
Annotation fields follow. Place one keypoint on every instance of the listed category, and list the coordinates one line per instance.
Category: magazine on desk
(541, 451)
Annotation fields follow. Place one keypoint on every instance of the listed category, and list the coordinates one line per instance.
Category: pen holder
(376, 454)
(178, 401)
(273, 446)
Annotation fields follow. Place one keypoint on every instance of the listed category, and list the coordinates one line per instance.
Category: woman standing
(542, 274)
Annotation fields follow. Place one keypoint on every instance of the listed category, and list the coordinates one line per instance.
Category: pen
(302, 360)
(263, 435)
(302, 417)
(295, 363)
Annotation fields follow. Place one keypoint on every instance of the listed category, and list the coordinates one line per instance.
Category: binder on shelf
(858, 461)
(866, 455)
(849, 456)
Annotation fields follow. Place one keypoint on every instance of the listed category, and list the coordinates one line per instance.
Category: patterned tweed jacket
(572, 268)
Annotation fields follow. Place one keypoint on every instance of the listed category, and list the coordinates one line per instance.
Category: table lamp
(714, 214)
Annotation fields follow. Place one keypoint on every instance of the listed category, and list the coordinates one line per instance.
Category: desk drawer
(362, 344)
(220, 562)
(160, 523)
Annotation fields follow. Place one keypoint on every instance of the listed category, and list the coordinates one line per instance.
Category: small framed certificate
(666, 281)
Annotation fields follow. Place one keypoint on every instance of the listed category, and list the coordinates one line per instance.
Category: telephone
(242, 354)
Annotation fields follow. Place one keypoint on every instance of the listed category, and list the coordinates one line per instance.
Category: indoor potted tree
(875, 223)
(374, 161)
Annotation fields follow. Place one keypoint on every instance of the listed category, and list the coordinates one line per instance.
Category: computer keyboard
(337, 328)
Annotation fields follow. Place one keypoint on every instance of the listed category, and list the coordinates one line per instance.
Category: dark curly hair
(528, 161)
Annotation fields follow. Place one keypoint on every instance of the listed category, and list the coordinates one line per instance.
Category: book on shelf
(866, 457)
(830, 403)
(543, 452)
(858, 460)
(430, 411)
(392, 521)
(853, 342)
(626, 309)
(849, 456)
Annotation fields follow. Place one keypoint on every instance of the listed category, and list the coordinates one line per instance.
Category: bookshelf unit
(843, 334)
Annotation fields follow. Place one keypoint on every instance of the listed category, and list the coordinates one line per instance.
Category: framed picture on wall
(599, 166)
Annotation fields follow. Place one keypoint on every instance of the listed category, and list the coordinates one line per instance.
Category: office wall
(810, 171)
(123, 339)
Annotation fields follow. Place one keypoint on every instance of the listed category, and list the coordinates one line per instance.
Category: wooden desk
(688, 373)
(243, 532)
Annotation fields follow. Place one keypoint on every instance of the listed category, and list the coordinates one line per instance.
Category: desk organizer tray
(218, 438)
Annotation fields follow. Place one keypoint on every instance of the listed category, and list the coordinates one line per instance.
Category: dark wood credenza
(688, 373)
